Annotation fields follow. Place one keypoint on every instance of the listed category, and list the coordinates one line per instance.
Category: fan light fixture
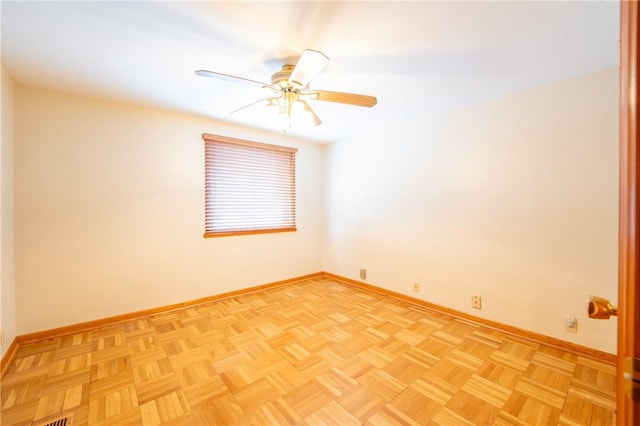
(293, 111)
(291, 87)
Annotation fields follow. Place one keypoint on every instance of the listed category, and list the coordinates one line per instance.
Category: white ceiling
(417, 58)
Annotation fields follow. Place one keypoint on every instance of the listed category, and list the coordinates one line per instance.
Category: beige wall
(514, 200)
(109, 212)
(7, 278)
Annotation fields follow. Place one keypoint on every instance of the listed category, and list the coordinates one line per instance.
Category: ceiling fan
(291, 91)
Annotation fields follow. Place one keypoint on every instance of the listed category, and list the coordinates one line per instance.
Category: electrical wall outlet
(571, 324)
(476, 302)
(363, 274)
(416, 287)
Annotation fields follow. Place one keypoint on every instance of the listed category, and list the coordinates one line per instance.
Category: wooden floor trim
(9, 356)
(509, 329)
(109, 321)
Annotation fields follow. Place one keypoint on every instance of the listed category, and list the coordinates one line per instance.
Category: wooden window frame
(283, 154)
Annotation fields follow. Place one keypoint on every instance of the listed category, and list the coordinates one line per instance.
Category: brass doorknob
(600, 308)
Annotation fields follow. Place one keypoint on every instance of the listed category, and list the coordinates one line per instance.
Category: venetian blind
(250, 187)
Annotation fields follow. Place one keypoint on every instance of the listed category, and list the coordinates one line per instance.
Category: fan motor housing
(281, 77)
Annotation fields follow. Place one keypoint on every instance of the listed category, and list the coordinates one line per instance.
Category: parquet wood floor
(316, 352)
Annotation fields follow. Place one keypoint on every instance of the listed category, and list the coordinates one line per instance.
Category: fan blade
(314, 118)
(227, 77)
(251, 104)
(346, 98)
(309, 65)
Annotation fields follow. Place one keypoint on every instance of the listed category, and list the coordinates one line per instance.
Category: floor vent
(61, 421)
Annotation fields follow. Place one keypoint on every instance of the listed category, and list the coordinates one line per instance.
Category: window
(250, 187)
